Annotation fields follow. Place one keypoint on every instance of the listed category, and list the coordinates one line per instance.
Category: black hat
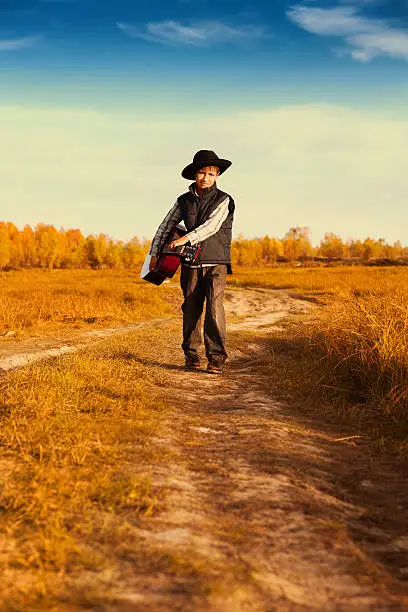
(201, 160)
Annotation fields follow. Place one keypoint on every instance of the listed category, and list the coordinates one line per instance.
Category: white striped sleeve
(170, 220)
(212, 225)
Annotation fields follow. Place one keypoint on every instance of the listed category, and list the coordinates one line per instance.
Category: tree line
(46, 247)
(296, 245)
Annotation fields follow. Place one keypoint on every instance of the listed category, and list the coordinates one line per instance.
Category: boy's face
(206, 177)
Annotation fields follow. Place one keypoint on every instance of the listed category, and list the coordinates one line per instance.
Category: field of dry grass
(354, 351)
(341, 282)
(80, 436)
(75, 433)
(359, 339)
(38, 301)
(77, 454)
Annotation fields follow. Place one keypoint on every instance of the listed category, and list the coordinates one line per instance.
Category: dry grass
(78, 434)
(43, 300)
(77, 453)
(354, 352)
(365, 344)
(322, 281)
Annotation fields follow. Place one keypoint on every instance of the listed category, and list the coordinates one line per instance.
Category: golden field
(360, 337)
(354, 351)
(43, 300)
(330, 281)
(78, 433)
(75, 472)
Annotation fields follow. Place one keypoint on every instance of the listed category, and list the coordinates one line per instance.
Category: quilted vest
(196, 210)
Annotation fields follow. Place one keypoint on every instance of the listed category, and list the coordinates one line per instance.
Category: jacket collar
(206, 194)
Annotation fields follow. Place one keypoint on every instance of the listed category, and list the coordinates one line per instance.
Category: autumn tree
(47, 241)
(371, 249)
(398, 249)
(96, 250)
(29, 256)
(246, 252)
(15, 244)
(296, 243)
(271, 249)
(354, 248)
(332, 246)
(73, 255)
(133, 253)
(5, 246)
(112, 258)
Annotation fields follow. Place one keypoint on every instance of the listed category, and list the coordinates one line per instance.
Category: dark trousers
(201, 285)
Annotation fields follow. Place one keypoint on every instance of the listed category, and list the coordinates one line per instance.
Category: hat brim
(191, 170)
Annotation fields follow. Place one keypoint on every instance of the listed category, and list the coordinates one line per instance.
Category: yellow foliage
(46, 247)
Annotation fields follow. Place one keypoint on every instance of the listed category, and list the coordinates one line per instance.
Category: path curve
(251, 309)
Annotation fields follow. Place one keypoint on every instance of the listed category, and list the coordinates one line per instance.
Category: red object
(169, 259)
(168, 264)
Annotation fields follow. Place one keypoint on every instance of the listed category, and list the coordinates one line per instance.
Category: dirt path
(17, 354)
(267, 308)
(264, 510)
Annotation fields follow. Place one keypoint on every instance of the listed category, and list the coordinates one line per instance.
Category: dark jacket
(196, 210)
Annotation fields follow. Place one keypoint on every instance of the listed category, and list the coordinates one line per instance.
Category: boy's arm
(212, 225)
(170, 220)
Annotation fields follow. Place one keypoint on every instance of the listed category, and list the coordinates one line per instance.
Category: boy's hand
(179, 242)
(153, 263)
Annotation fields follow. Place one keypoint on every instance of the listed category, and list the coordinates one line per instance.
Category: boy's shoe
(192, 363)
(214, 367)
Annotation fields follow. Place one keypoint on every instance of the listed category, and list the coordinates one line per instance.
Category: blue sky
(276, 51)
(104, 101)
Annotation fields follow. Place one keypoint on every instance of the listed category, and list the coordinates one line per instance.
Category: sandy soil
(264, 510)
(261, 310)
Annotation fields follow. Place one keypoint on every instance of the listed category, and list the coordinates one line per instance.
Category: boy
(208, 214)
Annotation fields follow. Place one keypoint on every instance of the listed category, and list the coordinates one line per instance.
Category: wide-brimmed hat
(202, 159)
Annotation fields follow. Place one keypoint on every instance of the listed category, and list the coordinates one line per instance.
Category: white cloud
(366, 38)
(195, 33)
(331, 168)
(338, 21)
(386, 42)
(18, 43)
